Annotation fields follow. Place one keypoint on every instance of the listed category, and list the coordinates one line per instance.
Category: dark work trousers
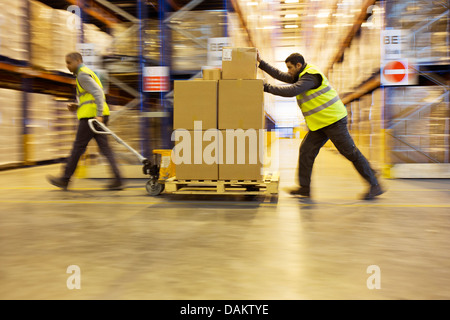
(84, 135)
(339, 135)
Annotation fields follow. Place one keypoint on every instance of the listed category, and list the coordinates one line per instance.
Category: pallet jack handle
(106, 130)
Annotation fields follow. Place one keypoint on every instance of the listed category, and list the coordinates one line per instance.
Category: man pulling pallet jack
(91, 105)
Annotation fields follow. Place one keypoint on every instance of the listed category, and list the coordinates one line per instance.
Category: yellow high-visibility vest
(86, 101)
(321, 106)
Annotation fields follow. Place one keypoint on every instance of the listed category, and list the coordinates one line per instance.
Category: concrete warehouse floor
(128, 245)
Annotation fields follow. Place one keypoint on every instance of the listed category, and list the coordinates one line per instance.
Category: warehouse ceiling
(286, 15)
(290, 15)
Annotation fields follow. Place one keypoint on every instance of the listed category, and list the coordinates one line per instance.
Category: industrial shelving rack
(418, 117)
(152, 112)
(58, 86)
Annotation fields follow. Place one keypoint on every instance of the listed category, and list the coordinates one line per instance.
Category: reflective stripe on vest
(87, 108)
(314, 95)
(320, 106)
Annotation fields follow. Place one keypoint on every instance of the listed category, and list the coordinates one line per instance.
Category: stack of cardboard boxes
(219, 121)
(13, 43)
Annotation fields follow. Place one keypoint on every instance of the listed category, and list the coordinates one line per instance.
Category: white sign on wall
(90, 58)
(215, 46)
(392, 42)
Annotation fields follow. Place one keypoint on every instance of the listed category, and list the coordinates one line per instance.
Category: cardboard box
(212, 74)
(241, 104)
(242, 155)
(195, 101)
(239, 63)
(195, 154)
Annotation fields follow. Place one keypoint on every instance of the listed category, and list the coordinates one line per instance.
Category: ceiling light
(291, 26)
(323, 13)
(291, 16)
(291, 1)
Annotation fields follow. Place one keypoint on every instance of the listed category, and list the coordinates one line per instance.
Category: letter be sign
(391, 44)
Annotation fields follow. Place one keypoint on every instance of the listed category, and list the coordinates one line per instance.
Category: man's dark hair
(295, 58)
(75, 56)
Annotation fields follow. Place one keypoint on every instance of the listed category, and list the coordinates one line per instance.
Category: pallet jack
(159, 170)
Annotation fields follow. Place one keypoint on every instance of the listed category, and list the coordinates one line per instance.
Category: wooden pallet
(267, 186)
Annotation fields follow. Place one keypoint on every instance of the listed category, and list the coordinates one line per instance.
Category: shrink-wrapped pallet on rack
(41, 136)
(190, 35)
(41, 35)
(102, 40)
(64, 38)
(419, 124)
(11, 127)
(64, 128)
(12, 30)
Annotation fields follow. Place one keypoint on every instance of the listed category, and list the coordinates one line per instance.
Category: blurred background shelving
(394, 126)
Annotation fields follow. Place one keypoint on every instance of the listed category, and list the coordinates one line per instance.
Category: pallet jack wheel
(154, 188)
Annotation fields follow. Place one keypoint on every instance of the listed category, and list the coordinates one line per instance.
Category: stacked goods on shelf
(11, 128)
(54, 33)
(50, 129)
(233, 108)
(430, 43)
(361, 61)
(125, 43)
(41, 139)
(190, 38)
(64, 129)
(41, 35)
(366, 125)
(125, 39)
(12, 30)
(377, 150)
(101, 40)
(370, 50)
(419, 124)
(64, 38)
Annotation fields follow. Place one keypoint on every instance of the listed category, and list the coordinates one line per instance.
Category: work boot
(373, 192)
(115, 185)
(58, 182)
(302, 191)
